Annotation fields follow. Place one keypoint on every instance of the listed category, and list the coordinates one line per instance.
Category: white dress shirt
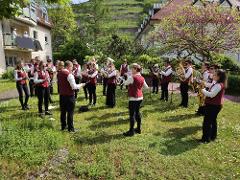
(16, 76)
(205, 75)
(93, 75)
(214, 90)
(188, 73)
(168, 72)
(112, 74)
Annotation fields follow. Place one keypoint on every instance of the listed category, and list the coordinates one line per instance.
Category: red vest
(42, 75)
(75, 71)
(65, 88)
(93, 80)
(218, 99)
(135, 89)
(124, 69)
(111, 80)
(167, 79)
(21, 74)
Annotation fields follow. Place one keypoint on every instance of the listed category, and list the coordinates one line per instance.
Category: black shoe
(161, 99)
(48, 113)
(26, 107)
(138, 131)
(71, 130)
(41, 115)
(129, 133)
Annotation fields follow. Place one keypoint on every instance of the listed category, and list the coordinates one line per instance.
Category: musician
(124, 69)
(155, 78)
(31, 76)
(111, 85)
(92, 83)
(59, 68)
(184, 85)
(21, 77)
(205, 71)
(213, 102)
(84, 75)
(165, 80)
(42, 80)
(67, 87)
(104, 71)
(77, 74)
(135, 85)
(51, 69)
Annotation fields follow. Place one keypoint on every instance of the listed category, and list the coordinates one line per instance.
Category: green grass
(6, 85)
(167, 148)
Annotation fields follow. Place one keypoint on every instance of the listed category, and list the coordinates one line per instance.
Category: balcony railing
(9, 40)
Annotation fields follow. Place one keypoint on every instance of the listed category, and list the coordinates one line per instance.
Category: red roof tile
(172, 6)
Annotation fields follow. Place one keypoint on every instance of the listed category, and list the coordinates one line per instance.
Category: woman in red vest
(111, 85)
(42, 79)
(135, 85)
(92, 83)
(213, 102)
(21, 83)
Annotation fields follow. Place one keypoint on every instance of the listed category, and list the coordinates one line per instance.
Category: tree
(198, 31)
(11, 8)
(64, 24)
(92, 16)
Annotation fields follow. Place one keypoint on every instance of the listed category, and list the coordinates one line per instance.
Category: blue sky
(79, 1)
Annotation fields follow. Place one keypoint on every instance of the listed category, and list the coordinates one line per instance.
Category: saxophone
(197, 86)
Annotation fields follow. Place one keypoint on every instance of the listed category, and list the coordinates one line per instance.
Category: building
(26, 36)
(150, 22)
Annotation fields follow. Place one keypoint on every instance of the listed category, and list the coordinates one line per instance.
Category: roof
(172, 6)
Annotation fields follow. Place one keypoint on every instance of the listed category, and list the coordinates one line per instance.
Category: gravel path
(10, 94)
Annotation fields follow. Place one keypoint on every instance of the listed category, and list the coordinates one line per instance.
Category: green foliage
(8, 74)
(233, 84)
(64, 25)
(11, 8)
(226, 62)
(74, 49)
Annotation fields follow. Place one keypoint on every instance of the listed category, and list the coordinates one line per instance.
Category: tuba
(180, 71)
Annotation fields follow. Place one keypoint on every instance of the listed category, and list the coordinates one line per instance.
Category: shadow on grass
(100, 139)
(107, 116)
(176, 143)
(106, 124)
(181, 117)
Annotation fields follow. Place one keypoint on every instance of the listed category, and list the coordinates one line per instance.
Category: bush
(9, 74)
(233, 84)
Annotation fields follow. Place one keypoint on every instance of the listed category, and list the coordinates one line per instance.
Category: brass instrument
(198, 85)
(180, 71)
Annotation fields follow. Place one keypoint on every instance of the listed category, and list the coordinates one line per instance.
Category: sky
(79, 1)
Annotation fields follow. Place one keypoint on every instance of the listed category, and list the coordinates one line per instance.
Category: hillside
(126, 15)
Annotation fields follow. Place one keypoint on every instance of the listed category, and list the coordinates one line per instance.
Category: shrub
(8, 74)
(233, 84)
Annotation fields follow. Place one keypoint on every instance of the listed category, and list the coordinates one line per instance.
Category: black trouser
(31, 87)
(210, 122)
(104, 85)
(43, 95)
(20, 89)
(51, 86)
(134, 107)
(111, 100)
(67, 105)
(164, 88)
(184, 93)
(155, 85)
(77, 80)
(92, 94)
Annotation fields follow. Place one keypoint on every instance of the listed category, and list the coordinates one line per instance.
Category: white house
(26, 36)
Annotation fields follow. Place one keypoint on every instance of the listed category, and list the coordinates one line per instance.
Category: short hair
(136, 66)
(207, 64)
(222, 76)
(68, 63)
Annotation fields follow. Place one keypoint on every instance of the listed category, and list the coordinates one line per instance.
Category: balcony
(20, 43)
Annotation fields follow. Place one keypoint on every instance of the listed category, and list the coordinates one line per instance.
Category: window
(46, 39)
(35, 35)
(11, 61)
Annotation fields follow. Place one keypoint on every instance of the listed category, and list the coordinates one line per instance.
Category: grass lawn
(167, 148)
(6, 85)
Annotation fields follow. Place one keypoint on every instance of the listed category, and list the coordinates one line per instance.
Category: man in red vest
(135, 85)
(123, 71)
(67, 87)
